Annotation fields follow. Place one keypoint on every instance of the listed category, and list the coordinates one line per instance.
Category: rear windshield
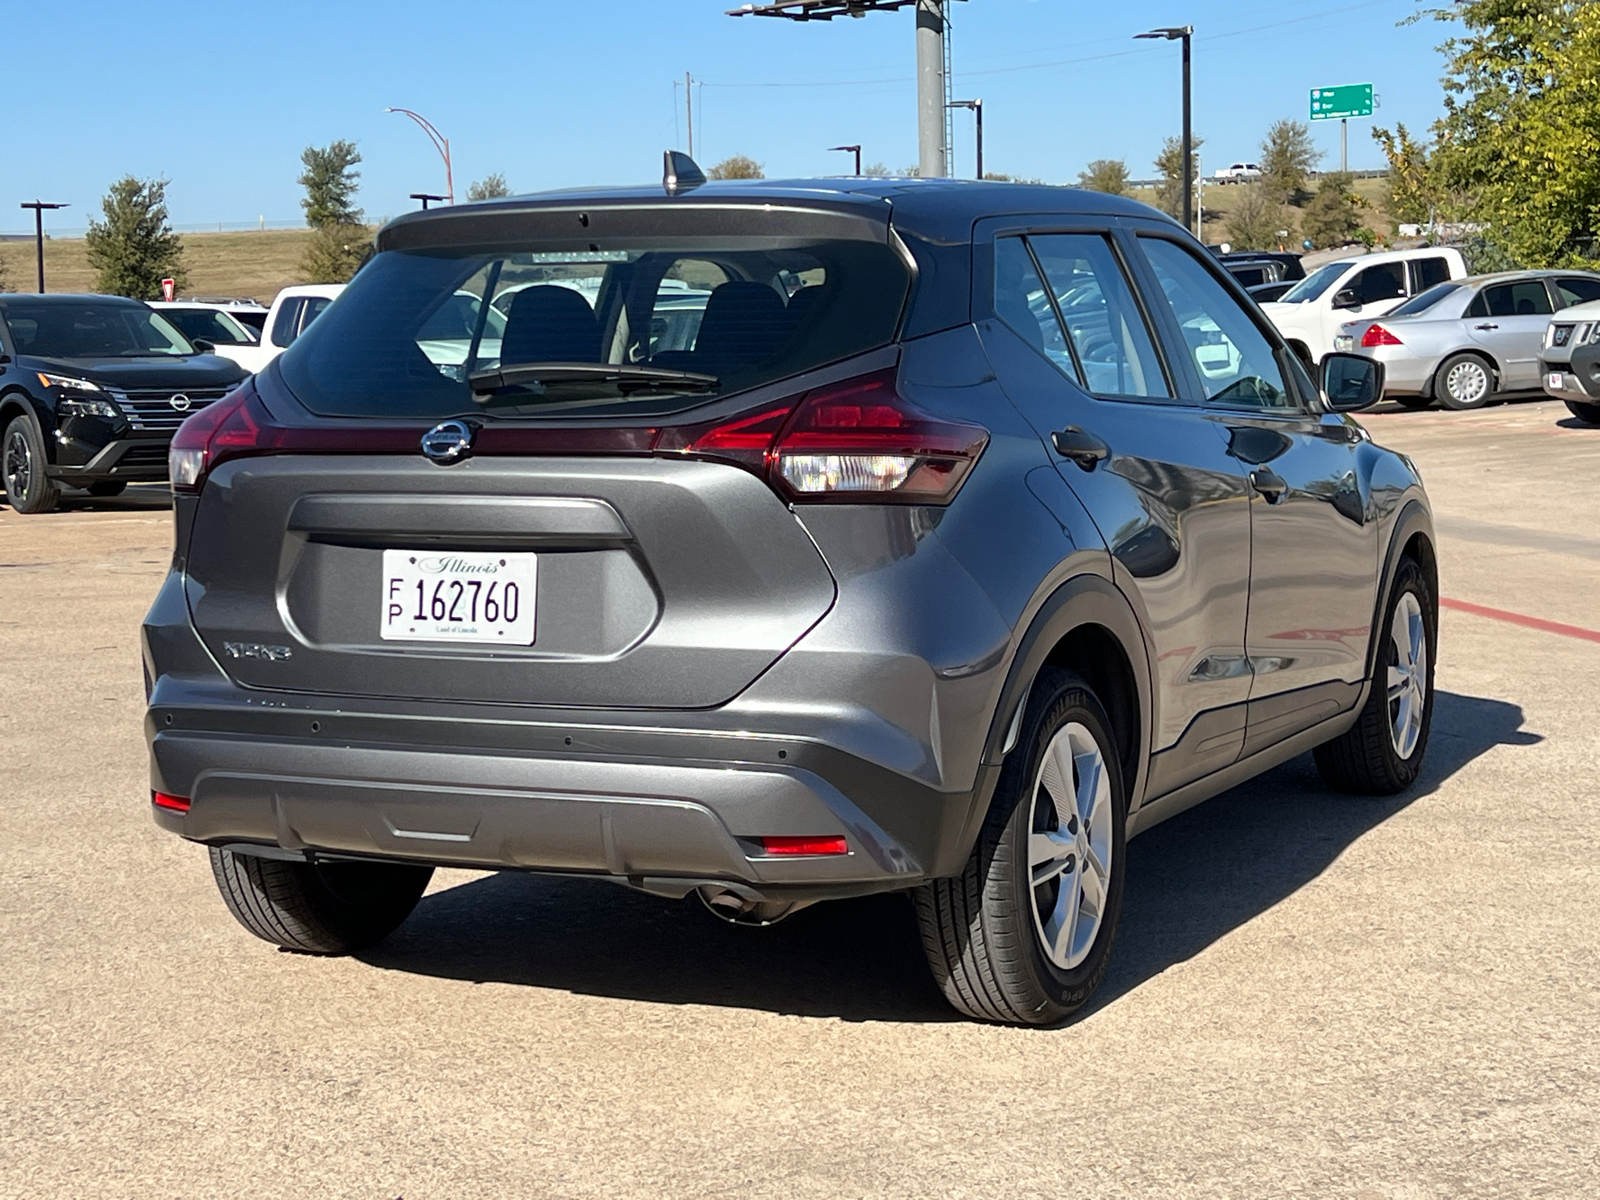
(92, 330)
(1423, 301)
(540, 332)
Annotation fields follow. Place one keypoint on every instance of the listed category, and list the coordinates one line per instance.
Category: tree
(1333, 217)
(1255, 220)
(1287, 158)
(335, 253)
(737, 166)
(1414, 194)
(490, 187)
(875, 170)
(1169, 166)
(1108, 175)
(331, 182)
(132, 248)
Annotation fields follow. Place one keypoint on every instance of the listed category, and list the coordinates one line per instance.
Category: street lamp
(1185, 33)
(849, 149)
(427, 196)
(977, 111)
(440, 143)
(38, 207)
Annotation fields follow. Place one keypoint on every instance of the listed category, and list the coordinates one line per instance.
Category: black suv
(91, 390)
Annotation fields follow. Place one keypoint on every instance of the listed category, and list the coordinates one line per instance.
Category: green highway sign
(1337, 103)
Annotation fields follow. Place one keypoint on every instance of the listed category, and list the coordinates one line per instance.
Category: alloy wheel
(18, 463)
(1468, 382)
(1408, 674)
(1069, 845)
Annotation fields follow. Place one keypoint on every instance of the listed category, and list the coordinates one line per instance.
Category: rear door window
(1384, 281)
(1232, 356)
(1428, 271)
(1525, 299)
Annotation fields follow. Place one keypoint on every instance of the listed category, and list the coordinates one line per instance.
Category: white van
(1368, 285)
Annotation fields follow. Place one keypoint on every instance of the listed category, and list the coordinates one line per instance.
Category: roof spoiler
(680, 173)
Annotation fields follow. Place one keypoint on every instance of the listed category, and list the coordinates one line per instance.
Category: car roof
(928, 206)
(69, 298)
(312, 289)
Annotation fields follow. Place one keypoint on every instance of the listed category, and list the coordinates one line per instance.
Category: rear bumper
(659, 808)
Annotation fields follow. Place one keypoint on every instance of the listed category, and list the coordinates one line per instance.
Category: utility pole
(977, 113)
(932, 33)
(1184, 33)
(931, 162)
(688, 107)
(857, 150)
(38, 207)
(1344, 144)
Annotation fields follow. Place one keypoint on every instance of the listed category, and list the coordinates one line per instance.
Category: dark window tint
(1382, 282)
(411, 337)
(1430, 271)
(216, 327)
(286, 325)
(1234, 359)
(1575, 289)
(1426, 300)
(1314, 284)
(1114, 353)
(92, 330)
(1526, 299)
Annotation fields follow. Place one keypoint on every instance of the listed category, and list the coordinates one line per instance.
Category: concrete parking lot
(1311, 995)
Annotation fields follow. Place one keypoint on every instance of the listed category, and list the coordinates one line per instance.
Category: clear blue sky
(221, 98)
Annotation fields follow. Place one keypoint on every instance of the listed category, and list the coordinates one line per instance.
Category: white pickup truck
(1368, 285)
(292, 310)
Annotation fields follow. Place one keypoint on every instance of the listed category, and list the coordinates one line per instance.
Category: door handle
(1486, 327)
(1269, 483)
(1081, 446)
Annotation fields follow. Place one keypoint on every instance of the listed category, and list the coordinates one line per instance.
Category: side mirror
(202, 345)
(1348, 298)
(1351, 382)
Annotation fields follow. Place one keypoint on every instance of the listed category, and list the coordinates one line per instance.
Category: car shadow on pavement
(1190, 881)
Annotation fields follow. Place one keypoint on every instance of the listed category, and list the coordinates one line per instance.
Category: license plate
(485, 599)
(1553, 380)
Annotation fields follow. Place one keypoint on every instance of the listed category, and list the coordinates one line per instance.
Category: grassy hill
(253, 263)
(1222, 198)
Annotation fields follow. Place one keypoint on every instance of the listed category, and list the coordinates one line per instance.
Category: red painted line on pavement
(1500, 614)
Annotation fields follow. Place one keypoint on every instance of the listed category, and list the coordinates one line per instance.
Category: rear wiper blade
(625, 375)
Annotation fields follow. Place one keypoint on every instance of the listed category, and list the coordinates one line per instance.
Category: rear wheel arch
(1475, 352)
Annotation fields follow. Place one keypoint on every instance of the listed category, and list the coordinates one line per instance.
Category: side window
(1107, 338)
(680, 304)
(1429, 271)
(1386, 281)
(313, 310)
(1234, 359)
(287, 323)
(1525, 299)
(1021, 302)
(1478, 308)
(1578, 290)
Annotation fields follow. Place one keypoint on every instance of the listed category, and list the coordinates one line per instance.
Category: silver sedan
(1465, 341)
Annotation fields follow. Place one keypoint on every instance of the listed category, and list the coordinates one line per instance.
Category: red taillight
(858, 440)
(1377, 335)
(804, 845)
(179, 804)
(190, 455)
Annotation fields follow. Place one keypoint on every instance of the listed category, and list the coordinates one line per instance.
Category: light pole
(1185, 33)
(38, 207)
(977, 111)
(440, 143)
(427, 196)
(848, 149)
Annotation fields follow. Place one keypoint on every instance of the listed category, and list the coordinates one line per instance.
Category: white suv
(1310, 313)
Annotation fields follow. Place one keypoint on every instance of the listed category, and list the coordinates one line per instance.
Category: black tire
(23, 465)
(318, 907)
(1589, 414)
(1461, 399)
(1414, 403)
(1365, 760)
(104, 489)
(979, 929)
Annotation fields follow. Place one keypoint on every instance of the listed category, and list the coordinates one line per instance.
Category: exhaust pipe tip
(736, 909)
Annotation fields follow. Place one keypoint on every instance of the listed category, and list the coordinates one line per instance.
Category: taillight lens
(804, 846)
(178, 804)
(210, 434)
(1377, 335)
(858, 440)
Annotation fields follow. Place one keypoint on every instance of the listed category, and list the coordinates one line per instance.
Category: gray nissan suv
(774, 543)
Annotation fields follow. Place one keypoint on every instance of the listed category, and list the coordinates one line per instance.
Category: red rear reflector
(174, 803)
(1377, 335)
(805, 845)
